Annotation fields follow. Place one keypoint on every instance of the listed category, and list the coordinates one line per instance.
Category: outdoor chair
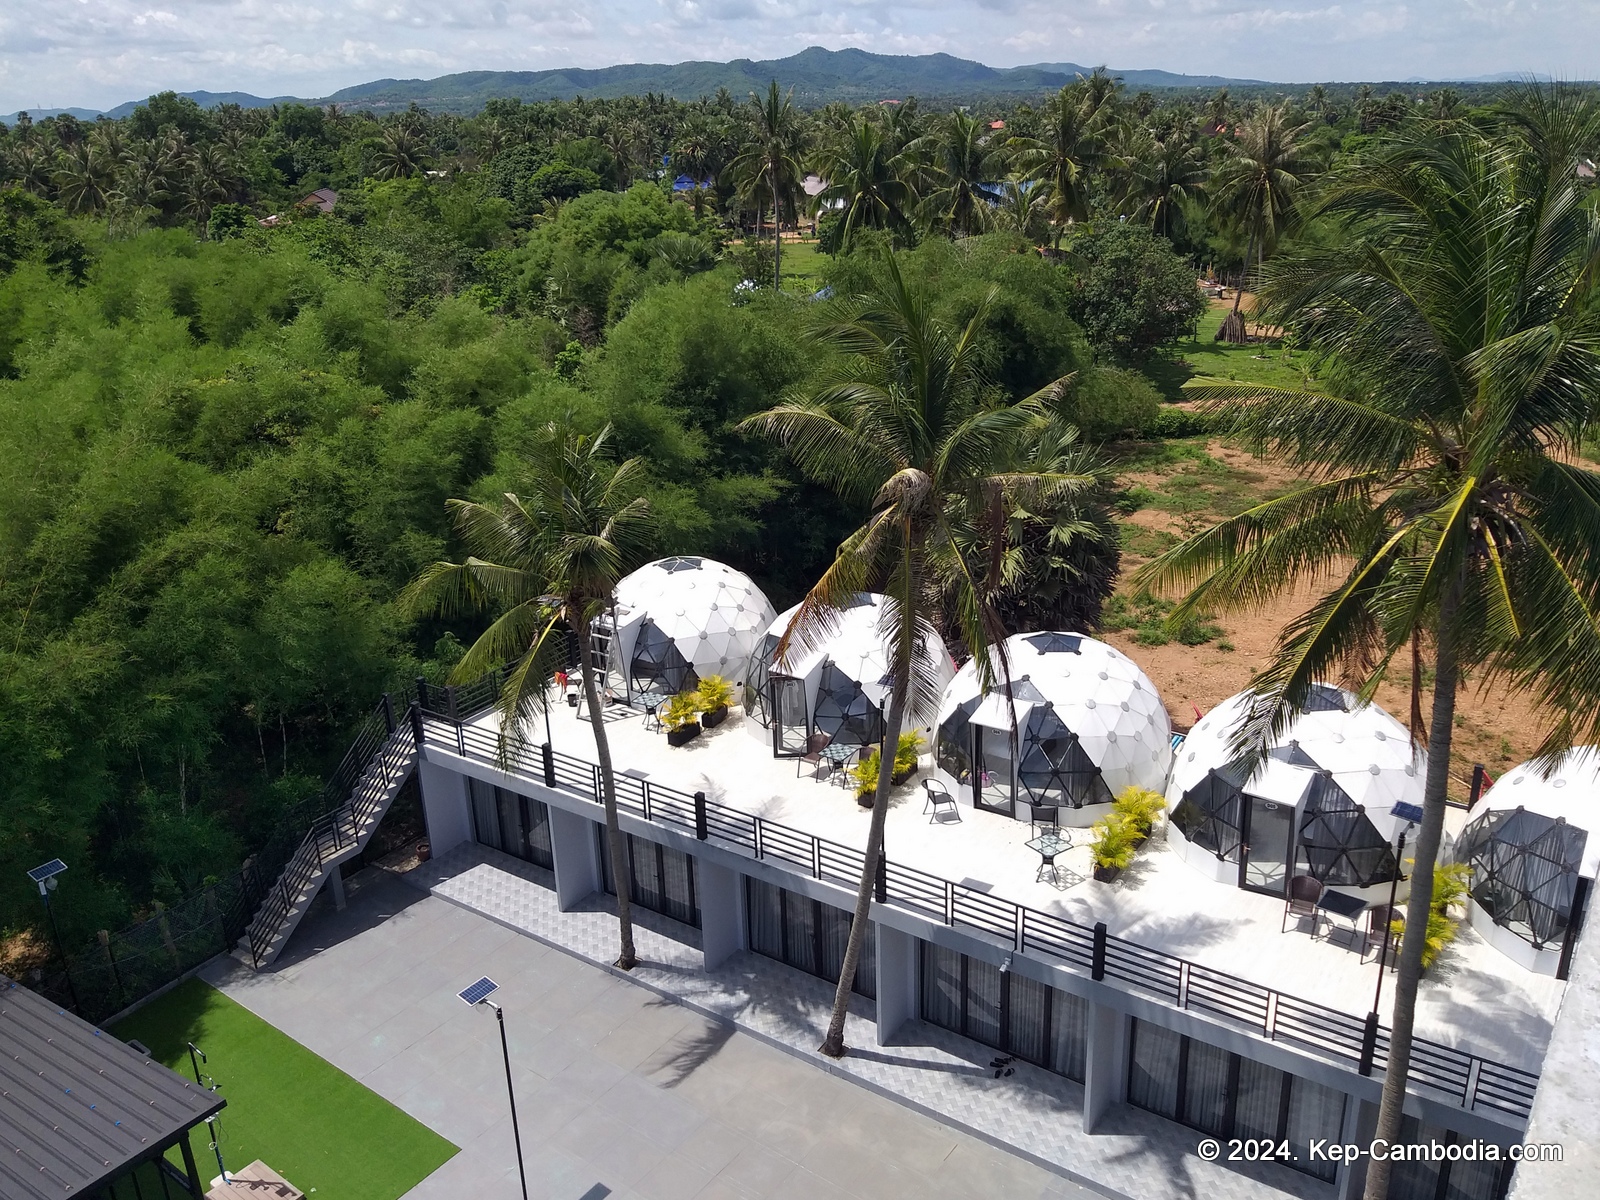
(813, 755)
(1379, 918)
(1304, 892)
(1044, 818)
(940, 800)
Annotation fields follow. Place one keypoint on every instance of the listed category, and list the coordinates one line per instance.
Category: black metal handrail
(1468, 1079)
(373, 759)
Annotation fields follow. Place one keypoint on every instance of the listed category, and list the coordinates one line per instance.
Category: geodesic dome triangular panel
(1525, 869)
(712, 615)
(1067, 690)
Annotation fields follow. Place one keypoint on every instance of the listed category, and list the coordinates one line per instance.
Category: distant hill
(818, 77)
(39, 114)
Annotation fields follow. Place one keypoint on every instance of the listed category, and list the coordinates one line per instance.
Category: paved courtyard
(620, 1092)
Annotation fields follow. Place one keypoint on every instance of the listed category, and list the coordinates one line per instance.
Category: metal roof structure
(77, 1106)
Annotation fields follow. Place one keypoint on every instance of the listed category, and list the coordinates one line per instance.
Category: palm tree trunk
(1445, 680)
(833, 1043)
(626, 960)
(777, 231)
(1233, 328)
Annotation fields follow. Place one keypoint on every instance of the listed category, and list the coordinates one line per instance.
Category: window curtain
(1153, 1069)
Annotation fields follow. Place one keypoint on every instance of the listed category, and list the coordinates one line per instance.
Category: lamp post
(1388, 928)
(48, 878)
(479, 993)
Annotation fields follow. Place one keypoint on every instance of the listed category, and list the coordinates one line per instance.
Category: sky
(98, 53)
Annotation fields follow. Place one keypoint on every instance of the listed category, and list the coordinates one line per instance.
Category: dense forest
(230, 415)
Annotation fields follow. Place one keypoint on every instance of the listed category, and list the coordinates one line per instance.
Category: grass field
(802, 267)
(304, 1118)
(1203, 356)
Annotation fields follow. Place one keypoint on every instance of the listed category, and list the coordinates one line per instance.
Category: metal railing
(1467, 1079)
(374, 762)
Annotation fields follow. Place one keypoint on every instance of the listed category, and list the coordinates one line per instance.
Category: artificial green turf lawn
(303, 1117)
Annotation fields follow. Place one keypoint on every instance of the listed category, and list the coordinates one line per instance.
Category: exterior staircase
(367, 781)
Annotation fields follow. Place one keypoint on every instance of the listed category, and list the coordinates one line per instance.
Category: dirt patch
(1494, 728)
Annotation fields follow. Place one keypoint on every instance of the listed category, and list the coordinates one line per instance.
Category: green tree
(1067, 150)
(769, 164)
(1165, 177)
(959, 155)
(1262, 171)
(401, 153)
(871, 179)
(1134, 292)
(548, 563)
(1463, 317)
(902, 427)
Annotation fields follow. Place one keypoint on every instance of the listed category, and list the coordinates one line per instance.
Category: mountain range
(818, 76)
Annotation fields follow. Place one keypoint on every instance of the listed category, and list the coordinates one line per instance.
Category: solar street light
(47, 876)
(478, 993)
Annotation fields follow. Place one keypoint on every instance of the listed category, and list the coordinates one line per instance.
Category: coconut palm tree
(960, 157)
(1067, 151)
(402, 153)
(1446, 507)
(902, 428)
(863, 170)
(769, 163)
(1163, 178)
(1262, 171)
(1023, 209)
(85, 179)
(548, 562)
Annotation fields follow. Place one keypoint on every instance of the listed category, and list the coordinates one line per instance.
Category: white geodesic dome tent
(678, 620)
(839, 688)
(1330, 800)
(1534, 847)
(1089, 723)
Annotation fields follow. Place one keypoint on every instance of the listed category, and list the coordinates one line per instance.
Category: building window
(1229, 1096)
(1444, 1180)
(1002, 1009)
(807, 934)
(660, 878)
(517, 825)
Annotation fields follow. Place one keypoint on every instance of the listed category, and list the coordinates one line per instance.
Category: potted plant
(682, 718)
(715, 693)
(1141, 809)
(865, 773)
(1111, 848)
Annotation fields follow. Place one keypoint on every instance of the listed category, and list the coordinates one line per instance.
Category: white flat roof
(1476, 999)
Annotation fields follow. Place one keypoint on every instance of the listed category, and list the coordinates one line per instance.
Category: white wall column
(1105, 1074)
(897, 981)
(572, 843)
(719, 890)
(445, 809)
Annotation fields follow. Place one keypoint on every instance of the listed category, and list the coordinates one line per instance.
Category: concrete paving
(620, 1092)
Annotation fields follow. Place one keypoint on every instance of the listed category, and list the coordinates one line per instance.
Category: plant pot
(683, 734)
(710, 720)
(424, 851)
(572, 699)
(900, 777)
(1106, 874)
(865, 799)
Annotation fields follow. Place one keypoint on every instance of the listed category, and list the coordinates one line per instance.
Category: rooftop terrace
(1474, 998)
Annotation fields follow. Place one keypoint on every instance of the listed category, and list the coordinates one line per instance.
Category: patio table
(1347, 907)
(839, 754)
(1047, 846)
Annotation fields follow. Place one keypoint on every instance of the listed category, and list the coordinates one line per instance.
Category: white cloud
(109, 51)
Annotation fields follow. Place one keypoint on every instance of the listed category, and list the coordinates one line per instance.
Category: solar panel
(480, 991)
(1407, 812)
(54, 867)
